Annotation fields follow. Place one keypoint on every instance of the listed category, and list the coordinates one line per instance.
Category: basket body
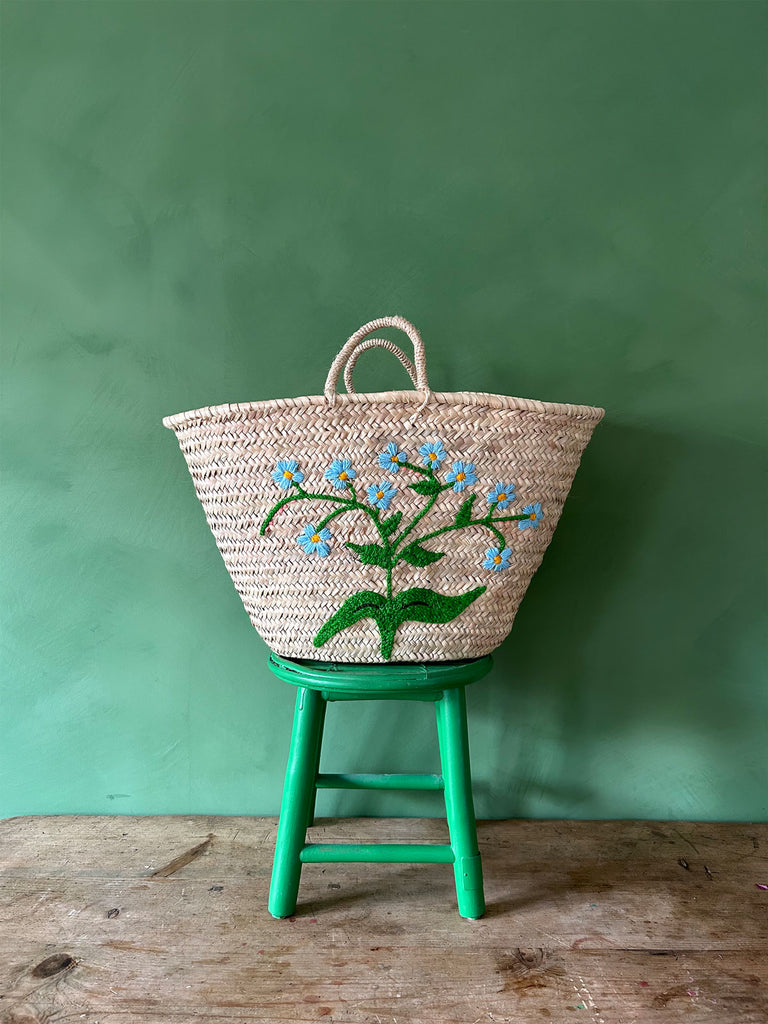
(524, 452)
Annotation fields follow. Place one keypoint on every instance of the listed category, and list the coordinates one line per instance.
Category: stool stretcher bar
(376, 853)
(380, 781)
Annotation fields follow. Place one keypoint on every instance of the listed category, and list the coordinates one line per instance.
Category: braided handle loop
(419, 358)
(390, 346)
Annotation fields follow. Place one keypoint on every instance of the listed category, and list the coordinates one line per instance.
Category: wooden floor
(153, 920)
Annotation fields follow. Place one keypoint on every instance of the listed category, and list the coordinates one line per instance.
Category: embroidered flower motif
(340, 473)
(497, 559)
(534, 514)
(461, 475)
(501, 495)
(287, 474)
(432, 455)
(315, 541)
(380, 495)
(392, 459)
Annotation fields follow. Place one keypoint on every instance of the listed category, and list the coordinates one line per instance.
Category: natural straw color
(390, 346)
(233, 450)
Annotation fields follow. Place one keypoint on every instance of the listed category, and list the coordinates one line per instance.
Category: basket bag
(400, 525)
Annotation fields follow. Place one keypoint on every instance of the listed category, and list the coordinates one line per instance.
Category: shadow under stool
(319, 682)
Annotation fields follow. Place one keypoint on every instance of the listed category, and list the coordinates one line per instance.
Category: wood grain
(148, 920)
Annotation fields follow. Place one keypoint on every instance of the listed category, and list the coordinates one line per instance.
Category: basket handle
(390, 346)
(420, 364)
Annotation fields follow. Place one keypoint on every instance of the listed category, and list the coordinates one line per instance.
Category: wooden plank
(287, 982)
(150, 920)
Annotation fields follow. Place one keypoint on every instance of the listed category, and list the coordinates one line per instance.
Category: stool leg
(460, 810)
(297, 796)
(313, 800)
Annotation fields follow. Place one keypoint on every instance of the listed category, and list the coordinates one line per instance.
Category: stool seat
(419, 680)
(319, 683)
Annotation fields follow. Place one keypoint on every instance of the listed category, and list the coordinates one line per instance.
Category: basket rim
(479, 399)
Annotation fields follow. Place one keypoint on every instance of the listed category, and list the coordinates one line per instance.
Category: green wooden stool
(320, 682)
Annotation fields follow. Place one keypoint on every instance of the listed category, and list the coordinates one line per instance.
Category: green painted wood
(362, 780)
(298, 791)
(337, 679)
(303, 779)
(201, 201)
(318, 752)
(459, 806)
(376, 853)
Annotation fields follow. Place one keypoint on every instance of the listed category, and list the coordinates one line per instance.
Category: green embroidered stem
(485, 521)
(332, 515)
(417, 469)
(376, 517)
(428, 472)
(348, 502)
(416, 519)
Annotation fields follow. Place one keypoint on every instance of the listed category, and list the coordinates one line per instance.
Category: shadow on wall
(628, 648)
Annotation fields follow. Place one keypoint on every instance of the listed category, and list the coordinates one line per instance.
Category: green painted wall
(202, 200)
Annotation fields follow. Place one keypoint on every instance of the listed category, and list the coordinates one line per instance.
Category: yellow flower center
(497, 559)
(460, 476)
(532, 515)
(379, 494)
(501, 497)
(394, 459)
(343, 476)
(288, 475)
(315, 538)
(433, 457)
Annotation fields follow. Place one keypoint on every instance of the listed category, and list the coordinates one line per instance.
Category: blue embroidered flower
(315, 541)
(380, 495)
(462, 474)
(432, 455)
(340, 473)
(392, 459)
(534, 514)
(287, 473)
(501, 495)
(497, 559)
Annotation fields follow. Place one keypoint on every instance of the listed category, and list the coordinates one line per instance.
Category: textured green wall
(202, 200)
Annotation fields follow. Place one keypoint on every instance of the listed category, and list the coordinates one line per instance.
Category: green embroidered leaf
(370, 554)
(464, 515)
(421, 605)
(415, 605)
(390, 525)
(415, 554)
(427, 487)
(365, 604)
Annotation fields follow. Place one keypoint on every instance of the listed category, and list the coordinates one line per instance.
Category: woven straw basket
(400, 525)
